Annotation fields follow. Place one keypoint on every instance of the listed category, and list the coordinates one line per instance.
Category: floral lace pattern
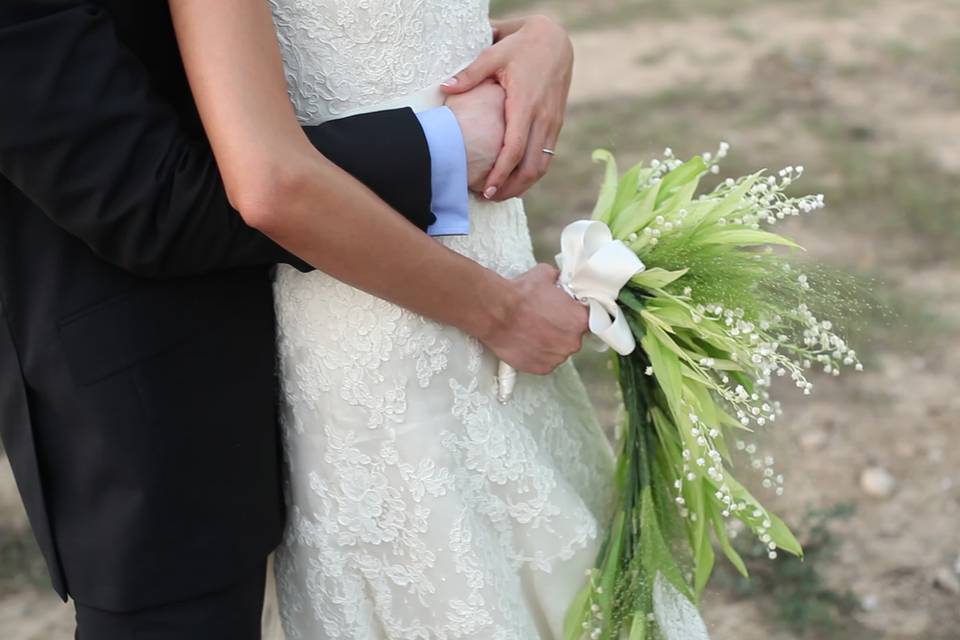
(341, 55)
(419, 506)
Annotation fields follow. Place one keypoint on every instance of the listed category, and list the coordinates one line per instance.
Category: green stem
(638, 401)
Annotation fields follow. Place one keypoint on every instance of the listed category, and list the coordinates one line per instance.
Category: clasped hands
(510, 103)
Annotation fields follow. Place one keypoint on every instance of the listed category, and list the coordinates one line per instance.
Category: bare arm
(284, 188)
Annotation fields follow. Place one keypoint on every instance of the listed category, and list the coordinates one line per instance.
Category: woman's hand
(532, 59)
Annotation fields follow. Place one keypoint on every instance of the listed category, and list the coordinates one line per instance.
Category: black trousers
(231, 614)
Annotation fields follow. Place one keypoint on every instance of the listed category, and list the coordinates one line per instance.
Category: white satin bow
(593, 269)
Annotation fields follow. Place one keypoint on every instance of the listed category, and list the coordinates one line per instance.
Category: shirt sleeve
(448, 161)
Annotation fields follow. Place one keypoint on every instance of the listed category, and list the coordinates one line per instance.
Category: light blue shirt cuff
(448, 164)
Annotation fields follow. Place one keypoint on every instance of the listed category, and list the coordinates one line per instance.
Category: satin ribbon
(593, 269)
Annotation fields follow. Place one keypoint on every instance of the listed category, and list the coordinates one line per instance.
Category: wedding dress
(419, 506)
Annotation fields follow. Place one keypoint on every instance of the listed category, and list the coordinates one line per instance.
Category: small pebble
(812, 440)
(904, 449)
(946, 580)
(877, 482)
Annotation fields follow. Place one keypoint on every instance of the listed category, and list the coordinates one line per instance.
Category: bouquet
(703, 313)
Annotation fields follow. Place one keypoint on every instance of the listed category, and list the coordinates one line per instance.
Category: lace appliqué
(343, 55)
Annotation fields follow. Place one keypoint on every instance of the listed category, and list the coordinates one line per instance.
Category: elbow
(257, 208)
(267, 199)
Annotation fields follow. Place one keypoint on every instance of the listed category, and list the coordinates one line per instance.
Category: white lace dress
(419, 507)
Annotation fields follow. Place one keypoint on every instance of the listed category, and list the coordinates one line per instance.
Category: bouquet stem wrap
(593, 269)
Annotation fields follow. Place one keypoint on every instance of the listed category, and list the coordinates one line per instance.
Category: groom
(137, 386)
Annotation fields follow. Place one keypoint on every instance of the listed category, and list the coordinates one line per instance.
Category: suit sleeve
(86, 139)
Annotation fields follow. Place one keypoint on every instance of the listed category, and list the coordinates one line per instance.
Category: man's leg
(231, 614)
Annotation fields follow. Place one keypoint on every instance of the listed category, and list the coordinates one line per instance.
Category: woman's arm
(284, 188)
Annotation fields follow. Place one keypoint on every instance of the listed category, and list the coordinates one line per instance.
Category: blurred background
(866, 95)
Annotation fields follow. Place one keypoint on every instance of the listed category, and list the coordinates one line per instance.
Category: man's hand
(480, 115)
(533, 61)
(544, 325)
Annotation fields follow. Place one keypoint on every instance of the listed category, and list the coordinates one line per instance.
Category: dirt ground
(866, 95)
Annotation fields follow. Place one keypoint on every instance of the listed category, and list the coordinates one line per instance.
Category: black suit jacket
(137, 373)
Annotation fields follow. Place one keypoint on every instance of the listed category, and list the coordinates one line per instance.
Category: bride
(418, 505)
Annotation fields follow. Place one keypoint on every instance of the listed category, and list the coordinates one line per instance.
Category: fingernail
(450, 82)
(489, 192)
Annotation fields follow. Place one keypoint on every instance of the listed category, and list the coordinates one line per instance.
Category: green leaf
(719, 529)
(632, 300)
(691, 374)
(667, 432)
(730, 202)
(627, 188)
(608, 192)
(727, 420)
(653, 321)
(705, 560)
(577, 613)
(637, 214)
(656, 553)
(690, 170)
(721, 364)
(697, 210)
(657, 278)
(721, 445)
(659, 328)
(666, 368)
(680, 198)
(744, 237)
(638, 627)
(637, 327)
(781, 534)
(674, 315)
(706, 407)
(612, 564)
(703, 550)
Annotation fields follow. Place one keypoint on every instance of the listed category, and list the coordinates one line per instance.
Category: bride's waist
(420, 100)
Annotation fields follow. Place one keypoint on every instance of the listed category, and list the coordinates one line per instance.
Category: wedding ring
(549, 152)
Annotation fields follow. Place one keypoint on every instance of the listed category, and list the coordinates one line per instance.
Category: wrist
(495, 302)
